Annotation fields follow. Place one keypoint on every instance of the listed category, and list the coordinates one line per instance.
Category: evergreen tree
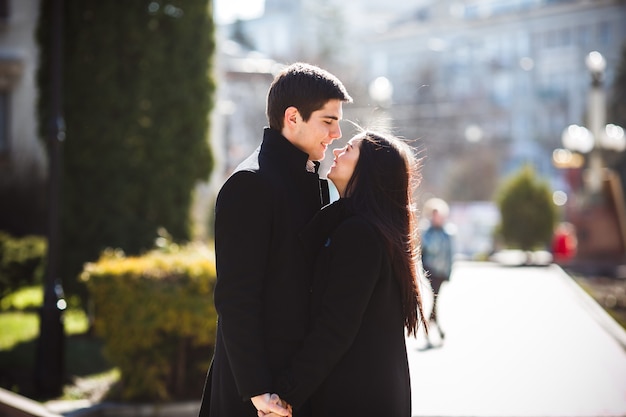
(528, 215)
(136, 102)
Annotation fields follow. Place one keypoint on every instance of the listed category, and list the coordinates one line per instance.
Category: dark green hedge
(137, 93)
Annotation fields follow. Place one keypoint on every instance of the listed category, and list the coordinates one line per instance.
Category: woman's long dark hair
(381, 190)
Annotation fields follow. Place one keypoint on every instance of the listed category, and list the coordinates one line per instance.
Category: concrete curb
(594, 309)
(15, 405)
(182, 409)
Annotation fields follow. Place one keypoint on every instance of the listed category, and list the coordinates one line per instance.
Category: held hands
(271, 405)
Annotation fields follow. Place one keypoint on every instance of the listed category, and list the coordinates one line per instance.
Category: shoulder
(357, 230)
(244, 178)
(244, 187)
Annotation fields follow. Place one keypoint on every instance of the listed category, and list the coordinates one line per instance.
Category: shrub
(156, 316)
(22, 261)
(527, 211)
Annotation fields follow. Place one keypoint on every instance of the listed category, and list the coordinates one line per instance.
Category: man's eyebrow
(330, 117)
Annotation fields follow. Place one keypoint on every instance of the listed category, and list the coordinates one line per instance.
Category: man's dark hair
(305, 87)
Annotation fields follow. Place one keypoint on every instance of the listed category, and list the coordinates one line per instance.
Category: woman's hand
(271, 405)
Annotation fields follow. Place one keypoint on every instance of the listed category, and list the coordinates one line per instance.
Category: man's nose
(335, 133)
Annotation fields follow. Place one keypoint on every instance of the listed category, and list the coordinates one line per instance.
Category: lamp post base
(600, 229)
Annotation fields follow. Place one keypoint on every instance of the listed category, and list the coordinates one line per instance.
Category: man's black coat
(262, 295)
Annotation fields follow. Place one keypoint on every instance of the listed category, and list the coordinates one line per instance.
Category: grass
(88, 371)
(17, 327)
(610, 293)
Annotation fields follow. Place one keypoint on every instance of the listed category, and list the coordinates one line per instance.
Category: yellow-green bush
(156, 316)
(22, 261)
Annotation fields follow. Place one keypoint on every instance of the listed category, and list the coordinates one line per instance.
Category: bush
(22, 261)
(156, 316)
(527, 211)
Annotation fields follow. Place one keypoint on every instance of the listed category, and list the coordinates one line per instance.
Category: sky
(229, 10)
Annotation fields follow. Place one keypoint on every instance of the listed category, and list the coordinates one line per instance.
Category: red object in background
(564, 243)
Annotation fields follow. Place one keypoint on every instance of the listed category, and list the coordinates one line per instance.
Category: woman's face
(343, 164)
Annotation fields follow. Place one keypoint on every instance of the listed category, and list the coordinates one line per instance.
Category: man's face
(315, 135)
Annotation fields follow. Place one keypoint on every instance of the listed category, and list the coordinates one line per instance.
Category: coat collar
(277, 148)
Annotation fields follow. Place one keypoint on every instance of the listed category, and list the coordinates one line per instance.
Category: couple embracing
(314, 298)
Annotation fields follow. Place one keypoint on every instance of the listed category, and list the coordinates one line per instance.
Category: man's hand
(269, 405)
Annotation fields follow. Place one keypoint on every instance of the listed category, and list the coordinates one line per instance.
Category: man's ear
(291, 116)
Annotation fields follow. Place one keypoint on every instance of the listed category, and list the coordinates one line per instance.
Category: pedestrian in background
(262, 294)
(437, 252)
(365, 294)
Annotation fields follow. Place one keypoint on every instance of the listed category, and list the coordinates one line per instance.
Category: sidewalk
(520, 342)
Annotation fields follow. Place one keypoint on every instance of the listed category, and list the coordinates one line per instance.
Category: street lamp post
(599, 136)
(596, 64)
(601, 217)
(50, 354)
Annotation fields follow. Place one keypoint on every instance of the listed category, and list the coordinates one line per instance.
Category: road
(520, 342)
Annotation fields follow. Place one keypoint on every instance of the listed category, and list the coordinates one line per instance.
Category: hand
(271, 405)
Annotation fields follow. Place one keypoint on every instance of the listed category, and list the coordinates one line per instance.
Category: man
(263, 276)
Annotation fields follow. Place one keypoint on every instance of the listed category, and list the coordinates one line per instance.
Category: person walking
(262, 293)
(437, 256)
(365, 292)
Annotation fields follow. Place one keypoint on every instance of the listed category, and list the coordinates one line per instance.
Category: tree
(528, 215)
(136, 102)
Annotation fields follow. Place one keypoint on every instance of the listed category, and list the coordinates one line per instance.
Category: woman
(365, 290)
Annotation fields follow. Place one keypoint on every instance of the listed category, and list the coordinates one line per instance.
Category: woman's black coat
(262, 295)
(354, 361)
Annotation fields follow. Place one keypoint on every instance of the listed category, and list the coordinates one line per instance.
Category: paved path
(520, 342)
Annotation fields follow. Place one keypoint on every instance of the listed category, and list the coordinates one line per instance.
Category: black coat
(262, 294)
(354, 361)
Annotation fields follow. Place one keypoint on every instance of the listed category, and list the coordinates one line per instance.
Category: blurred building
(238, 118)
(22, 157)
(485, 85)
(507, 75)
(23, 160)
